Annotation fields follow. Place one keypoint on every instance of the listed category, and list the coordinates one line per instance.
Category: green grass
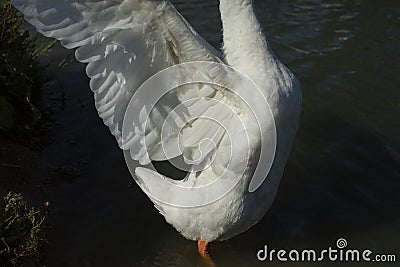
(21, 230)
(21, 75)
(21, 79)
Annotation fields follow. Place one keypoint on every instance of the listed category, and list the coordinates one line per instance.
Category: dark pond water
(342, 178)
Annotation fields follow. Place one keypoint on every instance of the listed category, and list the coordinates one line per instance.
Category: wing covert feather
(123, 43)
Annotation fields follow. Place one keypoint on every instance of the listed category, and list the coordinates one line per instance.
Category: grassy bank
(21, 79)
(21, 232)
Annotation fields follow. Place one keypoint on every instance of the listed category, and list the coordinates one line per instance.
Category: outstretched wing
(124, 42)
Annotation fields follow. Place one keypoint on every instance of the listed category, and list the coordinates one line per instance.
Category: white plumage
(124, 42)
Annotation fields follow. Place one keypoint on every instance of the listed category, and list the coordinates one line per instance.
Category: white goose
(125, 42)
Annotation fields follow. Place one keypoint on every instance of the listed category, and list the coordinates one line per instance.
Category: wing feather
(124, 42)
